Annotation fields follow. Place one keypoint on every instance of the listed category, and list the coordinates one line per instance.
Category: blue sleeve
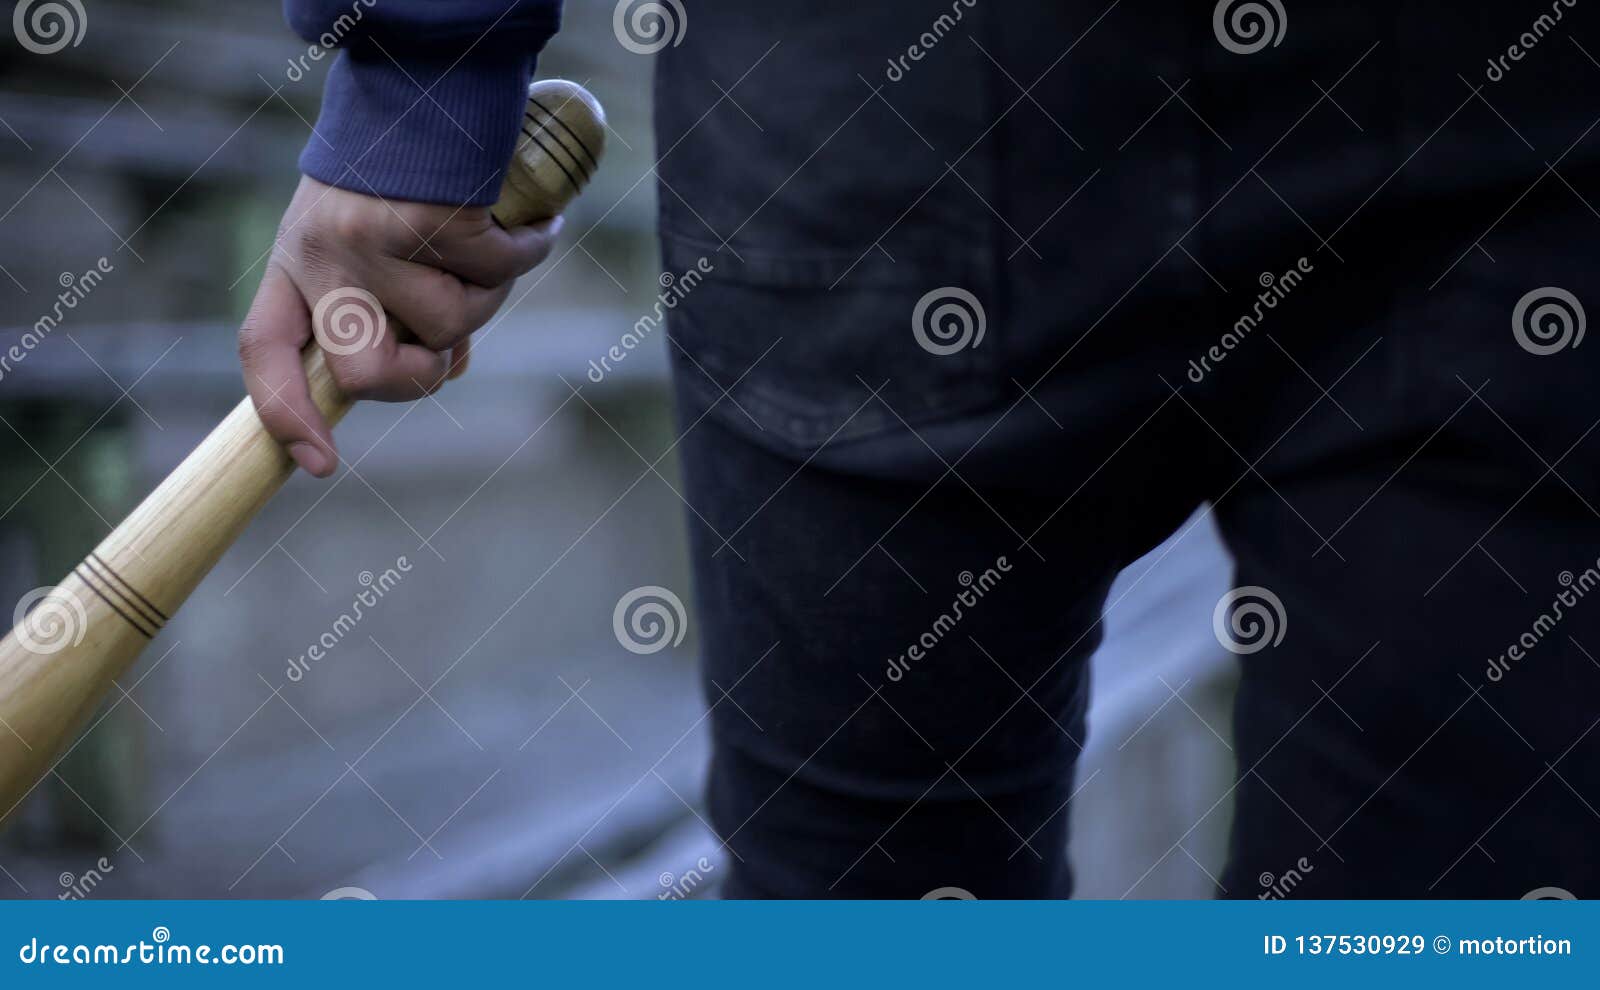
(424, 99)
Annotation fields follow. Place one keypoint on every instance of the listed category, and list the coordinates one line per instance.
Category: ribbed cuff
(432, 131)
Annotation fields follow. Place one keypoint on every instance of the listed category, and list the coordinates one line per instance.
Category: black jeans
(1005, 308)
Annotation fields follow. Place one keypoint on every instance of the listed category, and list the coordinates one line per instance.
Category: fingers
(391, 292)
(270, 340)
(437, 307)
(389, 372)
(490, 255)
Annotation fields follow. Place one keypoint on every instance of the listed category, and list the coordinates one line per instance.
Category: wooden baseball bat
(60, 659)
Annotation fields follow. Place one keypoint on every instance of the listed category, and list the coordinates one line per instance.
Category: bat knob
(563, 136)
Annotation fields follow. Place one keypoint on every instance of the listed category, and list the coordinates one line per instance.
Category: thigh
(1425, 726)
(897, 684)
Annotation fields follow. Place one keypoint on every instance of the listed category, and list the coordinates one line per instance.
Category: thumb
(270, 341)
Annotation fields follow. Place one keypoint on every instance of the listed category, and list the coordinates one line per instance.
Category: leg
(1426, 728)
(853, 758)
(1435, 765)
(896, 395)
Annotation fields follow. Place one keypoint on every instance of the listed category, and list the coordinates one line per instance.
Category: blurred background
(481, 731)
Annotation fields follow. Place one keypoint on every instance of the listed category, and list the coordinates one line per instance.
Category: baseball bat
(60, 659)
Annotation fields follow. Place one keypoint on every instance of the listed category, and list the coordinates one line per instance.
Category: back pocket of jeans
(835, 212)
(775, 353)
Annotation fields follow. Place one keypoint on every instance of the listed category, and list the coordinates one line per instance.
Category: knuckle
(448, 319)
(252, 344)
(317, 241)
(458, 321)
(319, 253)
(353, 378)
(349, 223)
(422, 219)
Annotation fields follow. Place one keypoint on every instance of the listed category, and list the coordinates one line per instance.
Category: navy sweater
(425, 97)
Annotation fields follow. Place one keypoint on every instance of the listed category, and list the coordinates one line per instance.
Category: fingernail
(312, 460)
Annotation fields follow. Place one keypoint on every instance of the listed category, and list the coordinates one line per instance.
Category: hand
(440, 272)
